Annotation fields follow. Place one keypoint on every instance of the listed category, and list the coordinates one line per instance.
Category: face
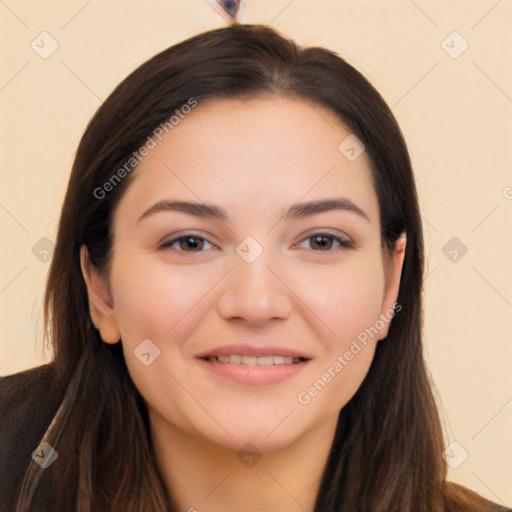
(248, 239)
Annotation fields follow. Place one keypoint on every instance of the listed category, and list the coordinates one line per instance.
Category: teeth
(249, 360)
(254, 361)
(265, 361)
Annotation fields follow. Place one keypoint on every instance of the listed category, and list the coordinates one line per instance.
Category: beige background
(455, 113)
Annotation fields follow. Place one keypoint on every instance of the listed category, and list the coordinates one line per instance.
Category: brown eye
(326, 242)
(187, 243)
(191, 242)
(321, 242)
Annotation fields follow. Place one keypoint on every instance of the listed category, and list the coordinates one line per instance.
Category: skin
(254, 158)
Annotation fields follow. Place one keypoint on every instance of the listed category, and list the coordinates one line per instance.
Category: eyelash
(343, 242)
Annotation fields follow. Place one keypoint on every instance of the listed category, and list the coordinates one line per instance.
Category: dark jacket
(28, 402)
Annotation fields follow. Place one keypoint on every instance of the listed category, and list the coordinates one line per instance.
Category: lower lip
(254, 375)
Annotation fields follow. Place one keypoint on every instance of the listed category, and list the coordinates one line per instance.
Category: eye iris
(191, 242)
(322, 242)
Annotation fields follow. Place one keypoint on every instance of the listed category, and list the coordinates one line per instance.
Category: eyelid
(344, 240)
(169, 240)
(188, 232)
(328, 232)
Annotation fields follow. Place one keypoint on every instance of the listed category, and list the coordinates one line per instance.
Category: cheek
(152, 298)
(346, 298)
(349, 303)
(163, 304)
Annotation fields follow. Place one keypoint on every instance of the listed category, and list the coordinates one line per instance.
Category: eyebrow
(295, 211)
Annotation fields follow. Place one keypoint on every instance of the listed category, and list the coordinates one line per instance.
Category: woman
(234, 301)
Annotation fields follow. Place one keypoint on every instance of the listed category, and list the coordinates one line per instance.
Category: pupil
(322, 241)
(191, 242)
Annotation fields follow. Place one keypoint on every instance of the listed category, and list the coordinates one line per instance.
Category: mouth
(253, 365)
(244, 360)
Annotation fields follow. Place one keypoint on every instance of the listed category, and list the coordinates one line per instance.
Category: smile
(252, 370)
(254, 361)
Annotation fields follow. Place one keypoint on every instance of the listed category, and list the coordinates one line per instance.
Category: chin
(255, 440)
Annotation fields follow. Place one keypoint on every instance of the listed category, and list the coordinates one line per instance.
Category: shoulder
(28, 402)
(21, 383)
(461, 499)
(27, 395)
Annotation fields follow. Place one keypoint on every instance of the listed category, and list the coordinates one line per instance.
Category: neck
(203, 476)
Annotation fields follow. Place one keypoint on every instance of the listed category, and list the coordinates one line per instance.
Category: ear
(100, 308)
(393, 263)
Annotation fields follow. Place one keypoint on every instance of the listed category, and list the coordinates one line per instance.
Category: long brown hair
(386, 454)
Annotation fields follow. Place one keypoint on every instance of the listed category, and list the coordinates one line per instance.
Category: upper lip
(253, 350)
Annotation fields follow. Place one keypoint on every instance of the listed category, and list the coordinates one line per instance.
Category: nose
(253, 293)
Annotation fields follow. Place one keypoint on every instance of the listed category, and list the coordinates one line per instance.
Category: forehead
(262, 152)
